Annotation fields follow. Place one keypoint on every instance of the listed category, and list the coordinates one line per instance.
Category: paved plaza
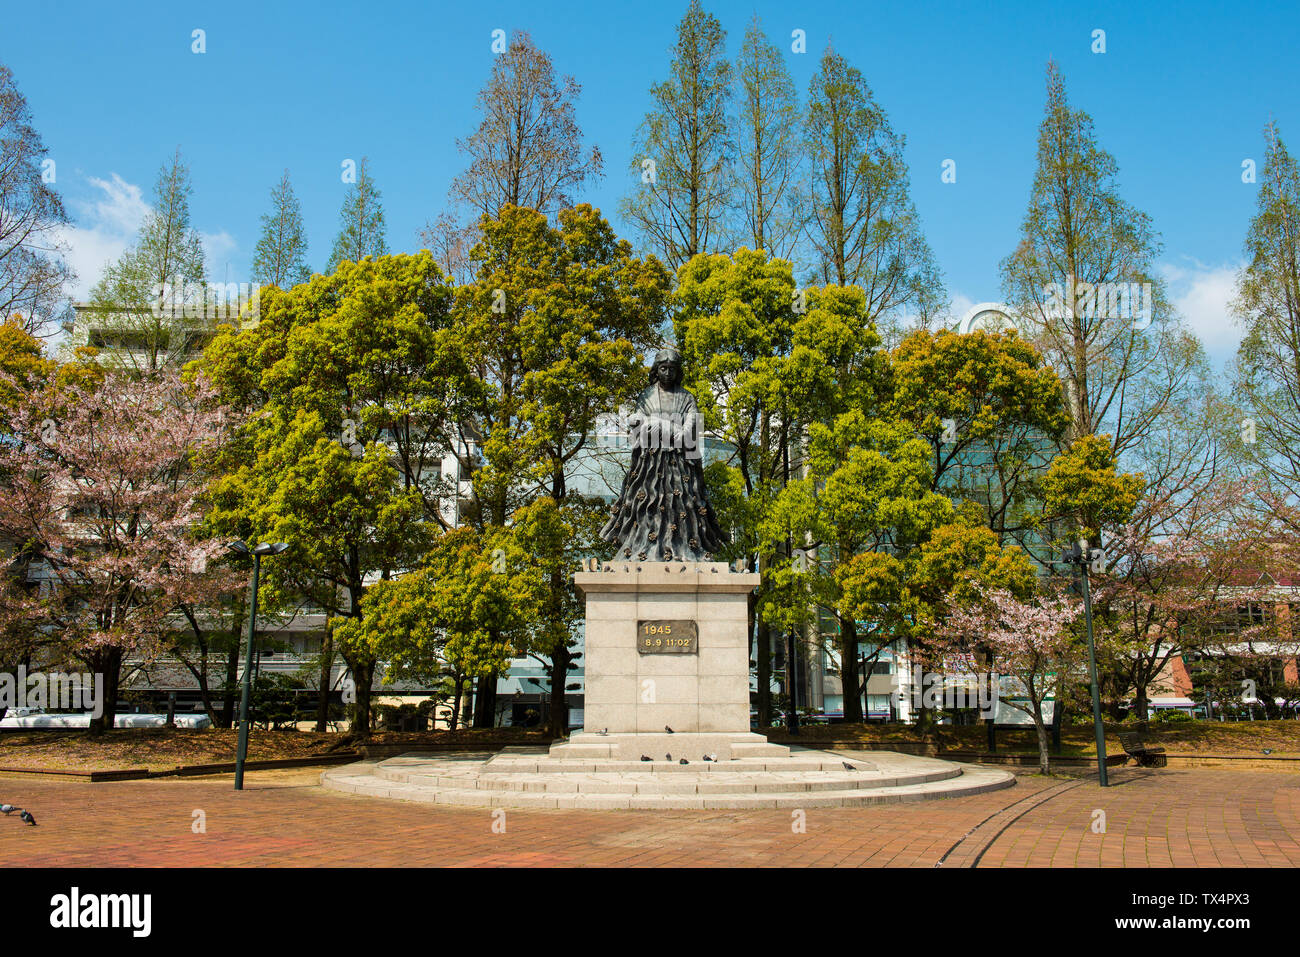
(1151, 817)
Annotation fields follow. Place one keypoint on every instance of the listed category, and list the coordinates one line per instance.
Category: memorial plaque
(667, 638)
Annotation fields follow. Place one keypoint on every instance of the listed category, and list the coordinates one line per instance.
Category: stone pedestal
(632, 697)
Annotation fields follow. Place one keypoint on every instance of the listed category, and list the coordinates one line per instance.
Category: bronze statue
(662, 513)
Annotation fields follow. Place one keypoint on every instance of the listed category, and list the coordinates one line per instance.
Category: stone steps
(595, 746)
(815, 779)
(647, 784)
(744, 765)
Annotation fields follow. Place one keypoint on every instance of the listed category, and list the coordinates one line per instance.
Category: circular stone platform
(534, 777)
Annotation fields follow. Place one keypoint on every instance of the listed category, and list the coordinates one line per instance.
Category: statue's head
(667, 368)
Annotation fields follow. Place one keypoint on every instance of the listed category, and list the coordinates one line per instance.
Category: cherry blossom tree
(103, 485)
(1244, 640)
(1031, 641)
(1167, 574)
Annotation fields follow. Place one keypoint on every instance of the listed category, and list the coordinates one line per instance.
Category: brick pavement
(283, 818)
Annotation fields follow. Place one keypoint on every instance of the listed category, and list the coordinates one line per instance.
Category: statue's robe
(662, 513)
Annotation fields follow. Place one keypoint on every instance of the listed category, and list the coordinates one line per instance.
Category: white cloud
(218, 249)
(109, 221)
(1201, 294)
(106, 225)
(961, 304)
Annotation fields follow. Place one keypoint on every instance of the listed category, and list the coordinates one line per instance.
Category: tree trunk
(107, 662)
(559, 722)
(1140, 706)
(990, 723)
(1058, 718)
(850, 676)
(362, 675)
(209, 708)
(924, 719)
(485, 701)
(459, 684)
(231, 690)
(232, 683)
(326, 672)
(1044, 762)
(467, 704)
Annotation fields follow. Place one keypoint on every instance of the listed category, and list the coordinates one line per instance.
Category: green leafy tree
(32, 273)
(1267, 379)
(527, 150)
(865, 488)
(862, 224)
(552, 535)
(683, 149)
(761, 355)
(1085, 486)
(1084, 283)
(153, 296)
(281, 255)
(464, 613)
(905, 601)
(992, 411)
(361, 222)
(551, 331)
(767, 163)
(344, 376)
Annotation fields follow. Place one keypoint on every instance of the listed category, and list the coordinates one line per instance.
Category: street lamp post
(257, 551)
(1078, 555)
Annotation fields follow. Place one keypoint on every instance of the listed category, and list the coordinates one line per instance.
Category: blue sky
(1179, 97)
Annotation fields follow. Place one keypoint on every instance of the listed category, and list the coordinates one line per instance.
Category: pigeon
(711, 757)
(7, 809)
(683, 761)
(668, 757)
(847, 766)
(603, 731)
(646, 757)
(1268, 750)
(668, 729)
(27, 818)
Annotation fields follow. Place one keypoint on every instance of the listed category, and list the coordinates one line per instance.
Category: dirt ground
(163, 748)
(1240, 738)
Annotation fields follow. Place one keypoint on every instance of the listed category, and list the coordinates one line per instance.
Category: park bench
(1146, 756)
